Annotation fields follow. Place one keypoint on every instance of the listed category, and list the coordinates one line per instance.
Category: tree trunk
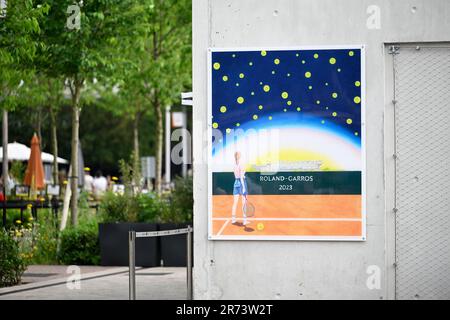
(159, 144)
(74, 145)
(5, 151)
(39, 126)
(54, 138)
(136, 153)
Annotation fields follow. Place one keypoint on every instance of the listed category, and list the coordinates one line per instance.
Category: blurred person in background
(88, 180)
(100, 185)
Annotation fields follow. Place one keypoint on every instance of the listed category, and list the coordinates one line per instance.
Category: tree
(164, 64)
(88, 50)
(19, 26)
(43, 96)
(127, 102)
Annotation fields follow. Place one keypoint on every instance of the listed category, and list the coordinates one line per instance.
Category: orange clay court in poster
(286, 144)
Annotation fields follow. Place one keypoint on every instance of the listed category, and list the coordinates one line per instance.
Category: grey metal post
(189, 263)
(132, 264)
(167, 152)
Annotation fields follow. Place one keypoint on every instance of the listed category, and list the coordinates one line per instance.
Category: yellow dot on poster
(260, 226)
(215, 125)
(228, 130)
(238, 124)
(357, 83)
(303, 61)
(255, 117)
(318, 102)
(241, 75)
(334, 95)
(349, 121)
(252, 93)
(273, 71)
(276, 61)
(260, 107)
(266, 88)
(332, 60)
(356, 133)
(299, 109)
(270, 117)
(284, 95)
(216, 66)
(289, 102)
(310, 87)
(284, 109)
(263, 53)
(308, 74)
(223, 109)
(357, 99)
(334, 114)
(250, 63)
(240, 100)
(351, 53)
(296, 54)
(225, 78)
(316, 56)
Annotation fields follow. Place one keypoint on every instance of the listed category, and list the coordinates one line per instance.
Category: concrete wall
(306, 270)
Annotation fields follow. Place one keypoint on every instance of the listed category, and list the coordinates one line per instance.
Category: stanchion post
(132, 264)
(189, 263)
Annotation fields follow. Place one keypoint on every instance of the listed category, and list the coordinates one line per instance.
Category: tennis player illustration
(240, 189)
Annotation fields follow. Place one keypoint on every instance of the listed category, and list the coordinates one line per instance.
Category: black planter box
(173, 248)
(114, 244)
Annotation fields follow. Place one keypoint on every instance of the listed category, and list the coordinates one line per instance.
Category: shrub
(181, 202)
(80, 245)
(45, 241)
(12, 264)
(151, 208)
(119, 208)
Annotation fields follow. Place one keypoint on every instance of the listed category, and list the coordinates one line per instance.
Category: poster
(286, 152)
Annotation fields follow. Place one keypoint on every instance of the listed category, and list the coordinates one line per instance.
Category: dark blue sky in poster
(322, 87)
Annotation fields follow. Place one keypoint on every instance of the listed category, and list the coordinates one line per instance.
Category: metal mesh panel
(422, 122)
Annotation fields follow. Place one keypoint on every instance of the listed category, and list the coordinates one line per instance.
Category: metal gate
(422, 171)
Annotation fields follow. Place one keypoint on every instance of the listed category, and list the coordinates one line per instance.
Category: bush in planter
(119, 208)
(12, 263)
(181, 202)
(151, 208)
(80, 245)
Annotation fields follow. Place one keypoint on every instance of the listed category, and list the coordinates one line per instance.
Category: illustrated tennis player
(239, 189)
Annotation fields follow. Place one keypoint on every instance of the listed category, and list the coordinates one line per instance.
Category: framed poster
(286, 150)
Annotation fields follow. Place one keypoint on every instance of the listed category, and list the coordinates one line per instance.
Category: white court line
(295, 219)
(223, 227)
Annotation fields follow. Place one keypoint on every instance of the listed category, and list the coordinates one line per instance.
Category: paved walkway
(98, 283)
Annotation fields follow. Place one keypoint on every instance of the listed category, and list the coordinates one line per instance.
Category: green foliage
(12, 264)
(118, 208)
(18, 46)
(45, 240)
(80, 245)
(182, 200)
(152, 208)
(17, 171)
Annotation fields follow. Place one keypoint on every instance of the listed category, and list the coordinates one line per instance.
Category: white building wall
(306, 270)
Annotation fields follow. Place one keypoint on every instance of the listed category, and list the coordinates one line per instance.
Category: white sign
(148, 167)
(177, 119)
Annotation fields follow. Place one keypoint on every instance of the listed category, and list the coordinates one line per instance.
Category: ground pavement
(98, 283)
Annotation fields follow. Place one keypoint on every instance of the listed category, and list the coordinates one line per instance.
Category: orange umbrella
(34, 176)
